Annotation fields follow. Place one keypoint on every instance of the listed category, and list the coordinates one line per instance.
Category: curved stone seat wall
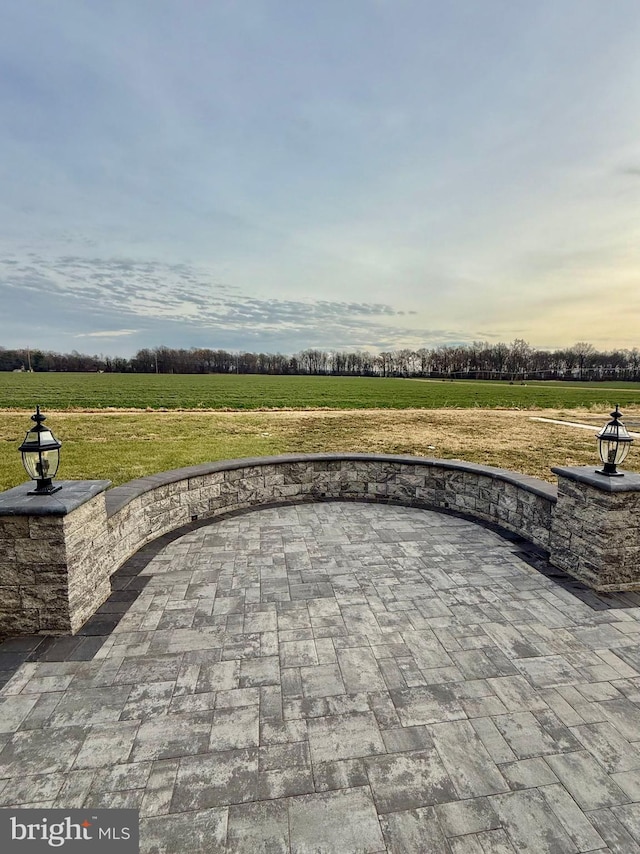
(58, 552)
(144, 509)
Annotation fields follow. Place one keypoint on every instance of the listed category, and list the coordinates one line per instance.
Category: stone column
(595, 530)
(54, 562)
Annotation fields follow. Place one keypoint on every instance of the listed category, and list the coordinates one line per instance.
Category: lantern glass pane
(48, 464)
(30, 460)
(609, 432)
(45, 437)
(621, 453)
(40, 438)
(41, 465)
(623, 433)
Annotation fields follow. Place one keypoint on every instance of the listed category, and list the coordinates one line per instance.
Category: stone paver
(343, 677)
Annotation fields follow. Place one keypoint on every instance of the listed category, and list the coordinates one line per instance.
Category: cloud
(174, 291)
(116, 333)
(184, 305)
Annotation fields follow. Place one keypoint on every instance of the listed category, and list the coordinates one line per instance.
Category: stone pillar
(595, 530)
(54, 562)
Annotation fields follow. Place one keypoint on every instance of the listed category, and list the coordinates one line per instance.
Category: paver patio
(344, 677)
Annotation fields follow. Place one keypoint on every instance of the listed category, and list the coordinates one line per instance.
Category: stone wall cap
(588, 475)
(74, 493)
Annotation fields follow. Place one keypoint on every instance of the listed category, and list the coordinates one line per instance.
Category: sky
(274, 175)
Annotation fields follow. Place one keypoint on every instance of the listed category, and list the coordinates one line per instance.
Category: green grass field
(253, 392)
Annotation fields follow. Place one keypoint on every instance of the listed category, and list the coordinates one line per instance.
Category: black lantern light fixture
(614, 442)
(41, 456)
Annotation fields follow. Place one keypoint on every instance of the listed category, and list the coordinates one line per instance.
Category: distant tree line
(480, 360)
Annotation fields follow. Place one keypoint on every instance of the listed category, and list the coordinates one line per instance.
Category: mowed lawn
(119, 446)
(68, 391)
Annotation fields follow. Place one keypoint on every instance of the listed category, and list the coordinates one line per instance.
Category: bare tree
(582, 351)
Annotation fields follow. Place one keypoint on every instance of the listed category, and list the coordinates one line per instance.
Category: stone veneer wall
(55, 563)
(57, 553)
(595, 533)
(145, 508)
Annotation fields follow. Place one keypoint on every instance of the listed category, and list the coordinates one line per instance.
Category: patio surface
(344, 677)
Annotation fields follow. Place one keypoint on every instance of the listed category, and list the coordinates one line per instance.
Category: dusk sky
(272, 175)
